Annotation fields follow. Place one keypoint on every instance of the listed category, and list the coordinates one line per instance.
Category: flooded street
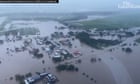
(114, 67)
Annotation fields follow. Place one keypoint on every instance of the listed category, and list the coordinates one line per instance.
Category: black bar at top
(29, 1)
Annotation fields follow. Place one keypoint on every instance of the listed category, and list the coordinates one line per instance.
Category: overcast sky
(66, 6)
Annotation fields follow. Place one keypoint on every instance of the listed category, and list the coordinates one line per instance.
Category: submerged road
(118, 70)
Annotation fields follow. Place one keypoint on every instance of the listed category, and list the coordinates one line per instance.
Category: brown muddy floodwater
(124, 69)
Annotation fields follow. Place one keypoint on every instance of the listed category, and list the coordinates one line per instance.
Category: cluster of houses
(58, 35)
(57, 52)
(66, 42)
(48, 77)
(54, 48)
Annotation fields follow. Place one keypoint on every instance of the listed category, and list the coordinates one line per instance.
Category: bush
(61, 67)
(79, 61)
(66, 67)
(128, 50)
(70, 68)
(11, 78)
(40, 55)
(93, 60)
(28, 75)
(43, 61)
(19, 78)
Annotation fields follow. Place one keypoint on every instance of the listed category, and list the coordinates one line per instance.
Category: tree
(19, 78)
(28, 75)
(43, 61)
(71, 33)
(128, 50)
(79, 61)
(93, 59)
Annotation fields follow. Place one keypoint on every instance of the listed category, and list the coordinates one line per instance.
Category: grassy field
(114, 22)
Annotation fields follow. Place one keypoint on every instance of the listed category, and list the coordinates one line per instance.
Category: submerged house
(77, 53)
(27, 42)
(48, 50)
(56, 57)
(66, 42)
(32, 80)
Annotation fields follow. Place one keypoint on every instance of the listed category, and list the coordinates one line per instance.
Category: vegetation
(99, 59)
(138, 40)
(43, 61)
(20, 78)
(129, 34)
(127, 50)
(114, 22)
(39, 55)
(79, 61)
(11, 78)
(93, 60)
(71, 33)
(124, 44)
(28, 75)
(55, 60)
(66, 67)
(36, 53)
(98, 44)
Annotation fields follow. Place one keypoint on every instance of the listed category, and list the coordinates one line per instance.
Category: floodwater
(2, 19)
(115, 67)
(129, 60)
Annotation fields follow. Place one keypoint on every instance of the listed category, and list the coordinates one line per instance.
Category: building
(31, 80)
(51, 79)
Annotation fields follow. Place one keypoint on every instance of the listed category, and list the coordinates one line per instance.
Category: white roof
(26, 82)
(56, 56)
(47, 49)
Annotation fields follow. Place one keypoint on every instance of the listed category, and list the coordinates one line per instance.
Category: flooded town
(70, 48)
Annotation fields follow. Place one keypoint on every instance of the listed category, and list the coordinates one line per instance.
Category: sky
(67, 6)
